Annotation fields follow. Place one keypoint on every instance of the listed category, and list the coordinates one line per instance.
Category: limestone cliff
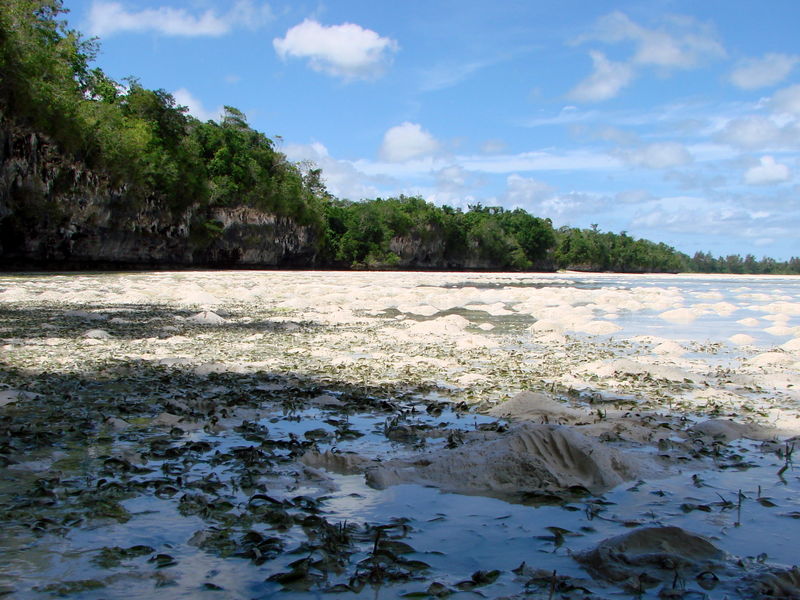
(55, 212)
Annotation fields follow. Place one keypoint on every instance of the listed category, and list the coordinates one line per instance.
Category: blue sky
(675, 121)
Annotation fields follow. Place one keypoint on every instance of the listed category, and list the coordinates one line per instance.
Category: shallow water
(456, 535)
(178, 484)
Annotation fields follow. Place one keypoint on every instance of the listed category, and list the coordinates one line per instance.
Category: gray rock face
(56, 211)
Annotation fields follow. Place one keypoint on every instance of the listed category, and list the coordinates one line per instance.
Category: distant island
(96, 173)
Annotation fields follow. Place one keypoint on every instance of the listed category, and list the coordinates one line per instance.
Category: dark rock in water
(657, 552)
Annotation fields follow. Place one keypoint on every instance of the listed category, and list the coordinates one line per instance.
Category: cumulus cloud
(454, 186)
(572, 208)
(108, 18)
(342, 178)
(634, 197)
(692, 214)
(750, 132)
(576, 160)
(787, 100)
(717, 220)
(770, 69)
(526, 191)
(543, 200)
(185, 98)
(406, 141)
(452, 178)
(767, 172)
(348, 51)
(660, 155)
(605, 82)
(608, 133)
(681, 42)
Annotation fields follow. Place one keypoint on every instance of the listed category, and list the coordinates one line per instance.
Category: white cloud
(681, 42)
(609, 133)
(605, 82)
(185, 98)
(572, 208)
(406, 141)
(579, 160)
(348, 50)
(787, 100)
(454, 186)
(712, 221)
(660, 155)
(452, 178)
(567, 115)
(634, 197)
(342, 178)
(692, 214)
(767, 172)
(750, 132)
(107, 18)
(526, 192)
(754, 73)
(444, 76)
(493, 146)
(498, 164)
(543, 200)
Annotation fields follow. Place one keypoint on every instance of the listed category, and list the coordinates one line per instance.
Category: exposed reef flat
(422, 432)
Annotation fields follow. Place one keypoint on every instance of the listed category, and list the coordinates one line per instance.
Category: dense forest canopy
(143, 140)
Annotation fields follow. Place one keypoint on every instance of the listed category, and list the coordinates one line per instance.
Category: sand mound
(546, 325)
(792, 345)
(206, 317)
(749, 322)
(771, 359)
(343, 463)
(724, 429)
(97, 334)
(598, 328)
(326, 400)
(449, 325)
(423, 310)
(741, 339)
(530, 457)
(661, 549)
(669, 348)
(679, 315)
(535, 406)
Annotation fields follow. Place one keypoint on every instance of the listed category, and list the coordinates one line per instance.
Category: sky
(675, 121)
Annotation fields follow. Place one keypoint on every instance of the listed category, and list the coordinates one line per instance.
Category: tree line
(143, 141)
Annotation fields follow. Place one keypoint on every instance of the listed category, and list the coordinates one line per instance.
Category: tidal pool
(303, 434)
